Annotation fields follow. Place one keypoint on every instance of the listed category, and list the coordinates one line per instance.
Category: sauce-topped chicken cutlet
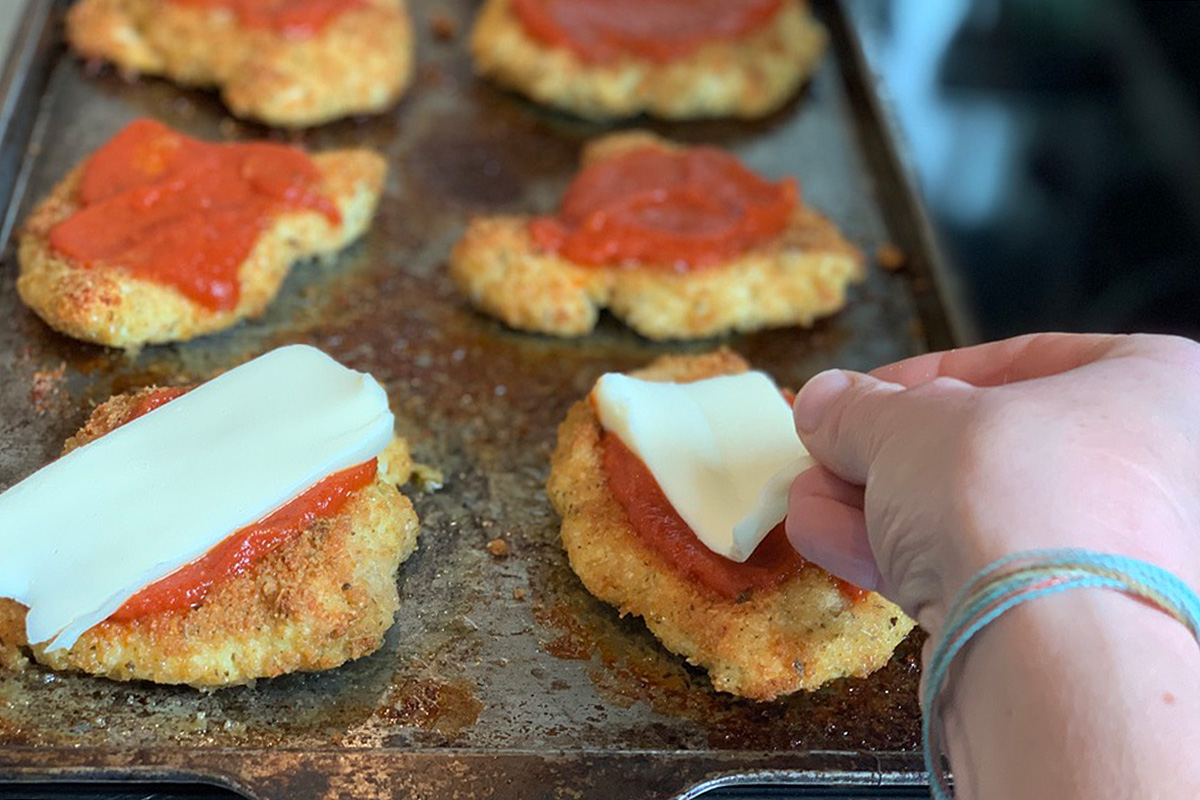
(763, 623)
(289, 63)
(678, 242)
(159, 237)
(678, 59)
(306, 584)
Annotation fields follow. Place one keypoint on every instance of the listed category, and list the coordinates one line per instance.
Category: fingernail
(816, 397)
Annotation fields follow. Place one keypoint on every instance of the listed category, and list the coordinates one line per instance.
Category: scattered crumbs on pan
(47, 388)
(427, 478)
(518, 594)
(498, 548)
(444, 25)
(234, 726)
(890, 258)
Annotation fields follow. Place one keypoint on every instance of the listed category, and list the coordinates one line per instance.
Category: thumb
(844, 418)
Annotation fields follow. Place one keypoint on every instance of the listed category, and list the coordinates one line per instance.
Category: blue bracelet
(1026, 576)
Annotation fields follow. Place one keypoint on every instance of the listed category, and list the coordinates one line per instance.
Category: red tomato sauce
(152, 400)
(600, 31)
(182, 212)
(680, 211)
(659, 525)
(855, 594)
(189, 585)
(297, 19)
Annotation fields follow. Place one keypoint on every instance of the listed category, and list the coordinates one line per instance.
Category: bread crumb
(916, 329)
(47, 385)
(444, 25)
(498, 548)
(12, 658)
(427, 478)
(890, 258)
(518, 594)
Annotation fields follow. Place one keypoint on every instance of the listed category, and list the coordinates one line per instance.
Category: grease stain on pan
(446, 707)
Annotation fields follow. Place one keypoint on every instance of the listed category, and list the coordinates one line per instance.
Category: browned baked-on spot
(443, 25)
(890, 258)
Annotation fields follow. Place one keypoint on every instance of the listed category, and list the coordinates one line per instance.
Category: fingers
(843, 419)
(821, 482)
(832, 535)
(1020, 359)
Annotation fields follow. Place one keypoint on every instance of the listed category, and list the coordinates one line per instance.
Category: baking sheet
(502, 677)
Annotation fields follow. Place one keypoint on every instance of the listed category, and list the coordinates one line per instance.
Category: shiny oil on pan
(502, 677)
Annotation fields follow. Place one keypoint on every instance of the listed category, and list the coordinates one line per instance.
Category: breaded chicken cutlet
(798, 634)
(105, 304)
(749, 76)
(359, 62)
(317, 601)
(792, 279)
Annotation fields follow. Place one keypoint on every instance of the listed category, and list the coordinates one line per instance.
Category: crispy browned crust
(106, 305)
(801, 275)
(12, 635)
(360, 63)
(748, 77)
(325, 598)
(798, 635)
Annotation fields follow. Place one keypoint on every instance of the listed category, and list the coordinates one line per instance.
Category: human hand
(1051, 440)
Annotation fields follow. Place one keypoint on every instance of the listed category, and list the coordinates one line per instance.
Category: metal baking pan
(502, 678)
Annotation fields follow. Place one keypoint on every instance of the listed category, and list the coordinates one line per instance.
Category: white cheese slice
(81, 536)
(724, 450)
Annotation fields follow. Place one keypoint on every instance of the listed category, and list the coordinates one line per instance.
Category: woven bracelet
(1026, 576)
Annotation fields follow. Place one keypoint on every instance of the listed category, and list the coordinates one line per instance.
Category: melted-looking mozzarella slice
(724, 450)
(87, 532)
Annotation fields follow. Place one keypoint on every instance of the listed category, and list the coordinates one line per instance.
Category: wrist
(1171, 548)
(1083, 693)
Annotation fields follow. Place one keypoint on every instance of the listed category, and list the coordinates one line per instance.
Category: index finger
(1019, 359)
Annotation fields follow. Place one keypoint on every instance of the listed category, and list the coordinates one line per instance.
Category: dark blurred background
(1057, 147)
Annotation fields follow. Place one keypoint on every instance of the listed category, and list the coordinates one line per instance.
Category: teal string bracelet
(1023, 577)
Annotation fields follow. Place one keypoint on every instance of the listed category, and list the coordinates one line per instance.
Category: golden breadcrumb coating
(795, 278)
(318, 601)
(797, 635)
(106, 305)
(12, 635)
(747, 77)
(359, 63)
